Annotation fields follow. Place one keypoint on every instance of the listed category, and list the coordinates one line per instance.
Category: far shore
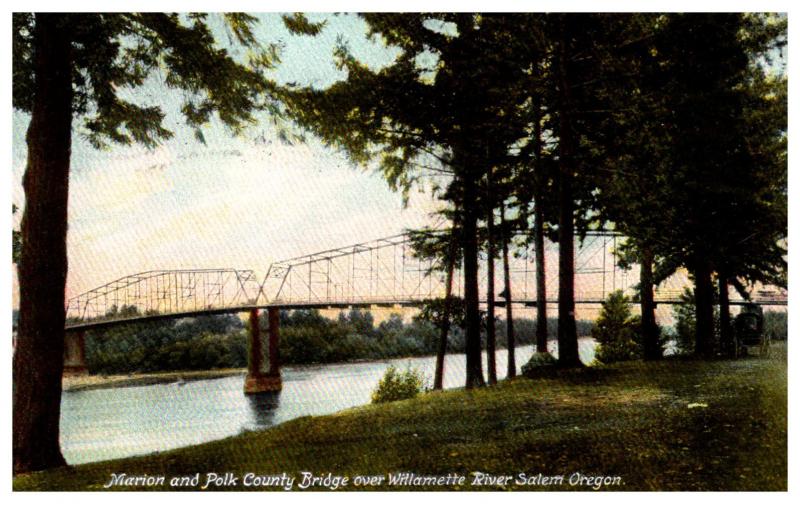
(78, 383)
(100, 381)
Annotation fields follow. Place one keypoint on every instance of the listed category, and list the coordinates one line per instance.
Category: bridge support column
(258, 381)
(75, 354)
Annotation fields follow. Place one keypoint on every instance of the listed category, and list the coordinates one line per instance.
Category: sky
(233, 203)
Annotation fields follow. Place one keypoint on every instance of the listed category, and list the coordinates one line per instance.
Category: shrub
(397, 385)
(776, 325)
(616, 330)
(683, 314)
(686, 325)
(537, 363)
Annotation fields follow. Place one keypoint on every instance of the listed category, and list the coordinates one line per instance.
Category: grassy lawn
(670, 425)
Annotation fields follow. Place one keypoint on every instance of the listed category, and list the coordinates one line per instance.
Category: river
(121, 422)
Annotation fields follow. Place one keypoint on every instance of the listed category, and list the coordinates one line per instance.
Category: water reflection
(263, 407)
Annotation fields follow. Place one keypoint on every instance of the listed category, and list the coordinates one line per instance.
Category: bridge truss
(166, 292)
(383, 272)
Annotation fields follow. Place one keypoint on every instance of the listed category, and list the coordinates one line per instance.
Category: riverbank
(99, 381)
(102, 381)
(668, 425)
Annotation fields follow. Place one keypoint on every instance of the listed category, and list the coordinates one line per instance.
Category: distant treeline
(177, 344)
(220, 341)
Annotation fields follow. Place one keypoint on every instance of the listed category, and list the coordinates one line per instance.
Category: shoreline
(643, 409)
(104, 381)
(100, 381)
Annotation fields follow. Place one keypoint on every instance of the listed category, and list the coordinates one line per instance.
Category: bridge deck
(106, 323)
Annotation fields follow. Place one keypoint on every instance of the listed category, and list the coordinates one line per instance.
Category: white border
(396, 499)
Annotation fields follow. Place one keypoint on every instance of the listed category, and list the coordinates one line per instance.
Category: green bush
(684, 331)
(617, 331)
(397, 385)
(776, 325)
(537, 363)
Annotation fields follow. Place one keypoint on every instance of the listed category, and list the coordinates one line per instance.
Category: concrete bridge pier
(75, 354)
(258, 380)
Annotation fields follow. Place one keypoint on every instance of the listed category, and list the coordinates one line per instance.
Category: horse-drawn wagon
(749, 328)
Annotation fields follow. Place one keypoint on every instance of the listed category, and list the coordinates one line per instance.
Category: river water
(121, 422)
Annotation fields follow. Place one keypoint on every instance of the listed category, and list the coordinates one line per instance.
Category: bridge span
(380, 273)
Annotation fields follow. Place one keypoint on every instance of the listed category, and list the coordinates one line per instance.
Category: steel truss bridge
(382, 273)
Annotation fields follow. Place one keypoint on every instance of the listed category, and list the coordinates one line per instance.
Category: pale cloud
(239, 203)
(242, 209)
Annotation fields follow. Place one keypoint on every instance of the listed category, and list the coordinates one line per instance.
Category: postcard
(454, 251)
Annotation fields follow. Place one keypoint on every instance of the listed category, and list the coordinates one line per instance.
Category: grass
(669, 425)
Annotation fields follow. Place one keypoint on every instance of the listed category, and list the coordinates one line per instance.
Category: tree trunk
(652, 349)
(704, 309)
(541, 281)
(567, 333)
(538, 241)
(39, 358)
(725, 330)
(472, 317)
(510, 339)
(438, 379)
(491, 336)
